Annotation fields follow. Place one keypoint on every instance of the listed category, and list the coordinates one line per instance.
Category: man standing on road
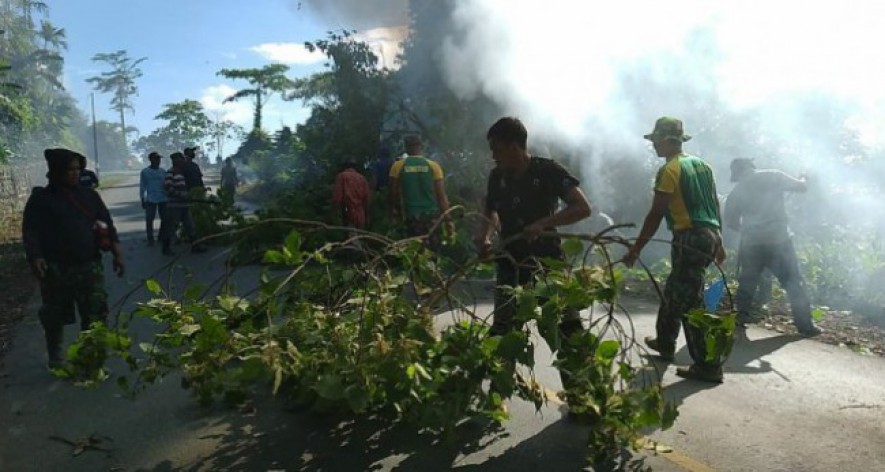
(177, 206)
(193, 179)
(756, 209)
(152, 194)
(229, 181)
(65, 228)
(352, 195)
(685, 194)
(522, 197)
(88, 178)
(418, 193)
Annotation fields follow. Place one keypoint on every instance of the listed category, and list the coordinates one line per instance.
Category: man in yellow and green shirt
(685, 194)
(417, 193)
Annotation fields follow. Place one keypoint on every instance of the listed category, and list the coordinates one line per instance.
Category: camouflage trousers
(422, 225)
(64, 288)
(692, 252)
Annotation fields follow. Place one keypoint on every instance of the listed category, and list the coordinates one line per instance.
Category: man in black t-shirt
(523, 197)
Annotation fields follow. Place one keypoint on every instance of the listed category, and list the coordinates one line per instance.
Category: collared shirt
(692, 188)
(151, 185)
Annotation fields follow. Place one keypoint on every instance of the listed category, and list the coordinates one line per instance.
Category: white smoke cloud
(560, 64)
(288, 53)
(358, 14)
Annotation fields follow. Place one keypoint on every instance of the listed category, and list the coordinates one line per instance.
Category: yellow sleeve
(396, 169)
(668, 177)
(437, 170)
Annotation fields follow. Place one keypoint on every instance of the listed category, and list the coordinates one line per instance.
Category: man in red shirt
(352, 194)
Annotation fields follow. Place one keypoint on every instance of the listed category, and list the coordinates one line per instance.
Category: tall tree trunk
(256, 125)
(123, 127)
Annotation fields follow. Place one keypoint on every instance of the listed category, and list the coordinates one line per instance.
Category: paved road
(787, 404)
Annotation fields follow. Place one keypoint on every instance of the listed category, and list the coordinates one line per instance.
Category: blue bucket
(713, 295)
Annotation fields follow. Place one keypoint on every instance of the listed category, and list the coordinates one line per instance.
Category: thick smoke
(358, 14)
(796, 85)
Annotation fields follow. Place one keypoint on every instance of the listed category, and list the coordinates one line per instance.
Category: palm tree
(52, 36)
(120, 81)
(265, 81)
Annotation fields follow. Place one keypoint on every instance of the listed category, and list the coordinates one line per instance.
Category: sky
(186, 43)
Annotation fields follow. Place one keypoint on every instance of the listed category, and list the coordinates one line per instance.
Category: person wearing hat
(756, 208)
(685, 195)
(65, 228)
(150, 190)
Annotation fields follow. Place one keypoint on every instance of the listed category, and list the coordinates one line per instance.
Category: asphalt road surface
(788, 404)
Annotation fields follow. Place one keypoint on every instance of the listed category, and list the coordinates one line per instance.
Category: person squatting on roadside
(684, 194)
(177, 207)
(352, 195)
(418, 194)
(152, 194)
(65, 228)
(756, 208)
(522, 198)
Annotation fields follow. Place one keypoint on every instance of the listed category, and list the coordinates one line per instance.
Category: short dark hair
(509, 130)
(190, 151)
(412, 142)
(154, 155)
(176, 156)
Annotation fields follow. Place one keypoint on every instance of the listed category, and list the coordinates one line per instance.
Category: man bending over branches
(521, 202)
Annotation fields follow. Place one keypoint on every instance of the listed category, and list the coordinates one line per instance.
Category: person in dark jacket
(65, 228)
(88, 178)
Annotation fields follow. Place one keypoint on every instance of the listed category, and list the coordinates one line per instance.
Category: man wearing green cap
(685, 194)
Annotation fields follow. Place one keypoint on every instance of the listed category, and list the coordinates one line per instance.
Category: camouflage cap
(667, 128)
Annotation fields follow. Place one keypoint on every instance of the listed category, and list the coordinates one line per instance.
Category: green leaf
(330, 387)
(818, 314)
(357, 398)
(274, 257)
(153, 286)
(572, 247)
(148, 348)
(608, 350)
(189, 329)
(514, 347)
(292, 247)
(194, 291)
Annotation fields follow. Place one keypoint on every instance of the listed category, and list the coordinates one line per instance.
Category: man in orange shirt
(352, 194)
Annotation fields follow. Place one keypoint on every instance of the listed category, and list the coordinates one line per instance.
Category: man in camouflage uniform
(64, 249)
(685, 194)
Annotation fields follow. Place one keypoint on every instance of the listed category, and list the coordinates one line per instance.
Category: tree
(265, 82)
(221, 131)
(119, 81)
(187, 122)
(53, 38)
(349, 103)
